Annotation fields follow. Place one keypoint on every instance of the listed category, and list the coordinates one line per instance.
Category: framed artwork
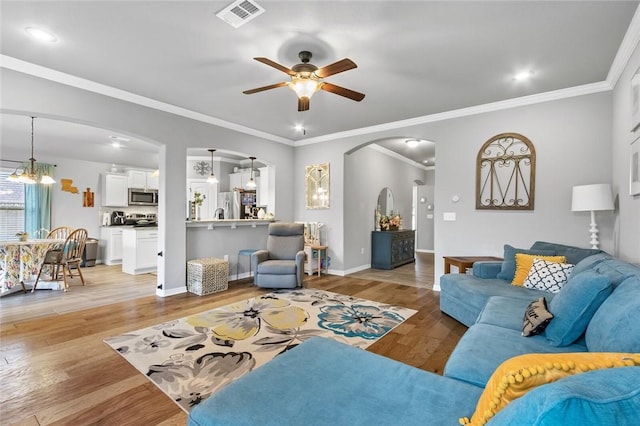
(506, 173)
(634, 168)
(317, 186)
(635, 101)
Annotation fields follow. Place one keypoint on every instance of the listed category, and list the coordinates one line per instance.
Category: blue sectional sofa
(494, 376)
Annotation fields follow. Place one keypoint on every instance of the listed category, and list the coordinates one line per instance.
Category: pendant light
(29, 175)
(212, 177)
(252, 182)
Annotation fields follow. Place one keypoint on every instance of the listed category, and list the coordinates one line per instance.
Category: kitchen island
(224, 238)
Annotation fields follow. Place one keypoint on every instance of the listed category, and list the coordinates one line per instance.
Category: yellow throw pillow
(518, 375)
(524, 262)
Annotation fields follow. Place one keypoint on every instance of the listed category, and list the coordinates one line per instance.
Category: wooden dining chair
(70, 256)
(60, 233)
(54, 254)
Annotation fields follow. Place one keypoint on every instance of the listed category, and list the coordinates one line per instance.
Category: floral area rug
(192, 357)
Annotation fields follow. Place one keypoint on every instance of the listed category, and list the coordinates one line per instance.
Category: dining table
(20, 262)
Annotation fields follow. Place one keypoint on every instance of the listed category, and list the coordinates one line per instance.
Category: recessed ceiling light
(523, 75)
(115, 144)
(412, 143)
(40, 34)
(119, 138)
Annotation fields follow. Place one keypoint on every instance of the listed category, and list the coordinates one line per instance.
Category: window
(11, 206)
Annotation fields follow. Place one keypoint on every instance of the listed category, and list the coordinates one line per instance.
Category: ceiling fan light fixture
(304, 87)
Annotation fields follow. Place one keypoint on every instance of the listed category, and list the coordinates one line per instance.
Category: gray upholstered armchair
(281, 265)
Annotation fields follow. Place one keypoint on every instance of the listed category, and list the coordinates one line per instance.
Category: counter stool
(244, 252)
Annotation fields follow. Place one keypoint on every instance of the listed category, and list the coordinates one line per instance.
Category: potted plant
(198, 199)
(22, 236)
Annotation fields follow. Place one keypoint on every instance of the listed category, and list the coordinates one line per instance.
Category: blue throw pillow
(509, 263)
(615, 327)
(574, 306)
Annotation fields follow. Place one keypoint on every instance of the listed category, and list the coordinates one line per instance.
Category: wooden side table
(464, 262)
(321, 249)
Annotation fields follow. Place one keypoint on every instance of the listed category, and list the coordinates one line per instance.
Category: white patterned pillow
(547, 276)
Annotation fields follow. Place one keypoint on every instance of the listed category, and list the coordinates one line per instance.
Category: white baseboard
(424, 251)
(172, 292)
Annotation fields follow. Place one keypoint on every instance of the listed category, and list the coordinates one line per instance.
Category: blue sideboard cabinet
(392, 248)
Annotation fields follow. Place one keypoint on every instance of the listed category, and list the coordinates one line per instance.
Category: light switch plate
(449, 216)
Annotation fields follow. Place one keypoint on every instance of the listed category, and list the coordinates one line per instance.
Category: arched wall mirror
(385, 201)
(317, 186)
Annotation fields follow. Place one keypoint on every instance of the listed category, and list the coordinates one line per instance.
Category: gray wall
(572, 138)
(576, 140)
(572, 143)
(425, 218)
(627, 241)
(366, 172)
(173, 134)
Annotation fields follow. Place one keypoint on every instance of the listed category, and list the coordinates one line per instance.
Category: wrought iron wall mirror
(505, 173)
(317, 192)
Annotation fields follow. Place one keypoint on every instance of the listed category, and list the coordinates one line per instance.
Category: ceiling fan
(306, 79)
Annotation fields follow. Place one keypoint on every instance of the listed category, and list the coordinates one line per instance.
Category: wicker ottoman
(207, 275)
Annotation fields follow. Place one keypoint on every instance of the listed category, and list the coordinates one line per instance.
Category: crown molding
(585, 89)
(29, 68)
(374, 146)
(626, 49)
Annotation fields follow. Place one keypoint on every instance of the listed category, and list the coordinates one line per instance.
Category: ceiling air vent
(240, 12)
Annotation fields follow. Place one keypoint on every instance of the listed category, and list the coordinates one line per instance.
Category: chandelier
(30, 174)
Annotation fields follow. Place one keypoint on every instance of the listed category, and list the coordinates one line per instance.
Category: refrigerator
(238, 204)
(230, 203)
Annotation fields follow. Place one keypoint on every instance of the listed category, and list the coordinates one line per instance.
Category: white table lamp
(592, 198)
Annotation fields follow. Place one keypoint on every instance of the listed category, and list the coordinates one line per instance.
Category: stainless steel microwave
(143, 197)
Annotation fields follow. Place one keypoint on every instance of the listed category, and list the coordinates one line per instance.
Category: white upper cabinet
(115, 190)
(142, 179)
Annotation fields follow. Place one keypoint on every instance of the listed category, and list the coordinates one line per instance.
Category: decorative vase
(392, 228)
(261, 213)
(198, 212)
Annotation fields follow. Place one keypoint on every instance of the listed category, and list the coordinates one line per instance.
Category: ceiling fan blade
(347, 93)
(263, 88)
(336, 67)
(303, 104)
(276, 65)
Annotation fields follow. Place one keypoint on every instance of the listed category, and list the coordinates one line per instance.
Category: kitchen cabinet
(262, 190)
(139, 250)
(115, 190)
(240, 180)
(111, 245)
(392, 248)
(142, 179)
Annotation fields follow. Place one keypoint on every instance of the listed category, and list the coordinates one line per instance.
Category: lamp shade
(592, 198)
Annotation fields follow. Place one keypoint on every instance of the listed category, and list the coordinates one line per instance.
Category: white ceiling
(415, 58)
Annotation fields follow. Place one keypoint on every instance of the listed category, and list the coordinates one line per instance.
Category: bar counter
(224, 238)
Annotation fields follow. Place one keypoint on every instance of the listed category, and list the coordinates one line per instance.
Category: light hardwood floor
(56, 369)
